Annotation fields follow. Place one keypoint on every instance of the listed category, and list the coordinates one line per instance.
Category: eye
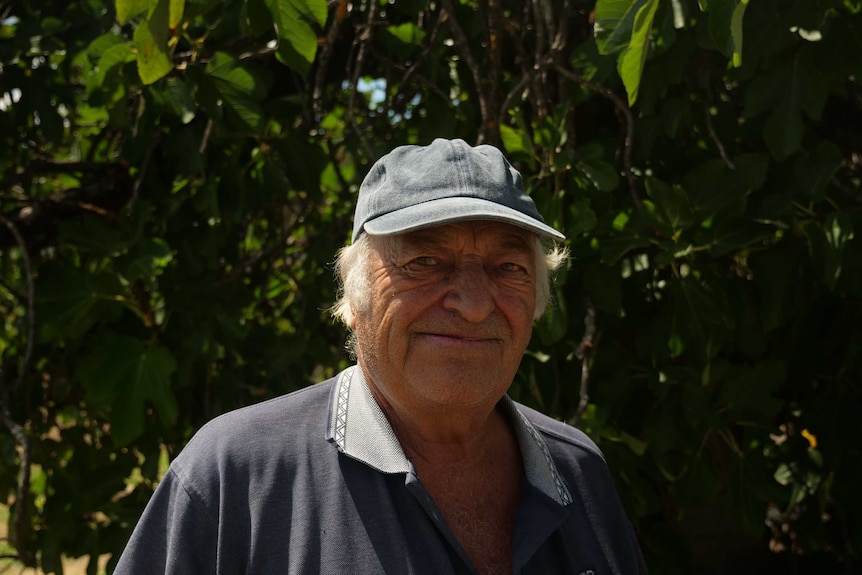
(421, 264)
(425, 261)
(512, 267)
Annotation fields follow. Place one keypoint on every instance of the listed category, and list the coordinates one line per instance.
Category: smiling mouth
(458, 337)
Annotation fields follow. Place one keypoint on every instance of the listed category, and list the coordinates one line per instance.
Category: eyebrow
(430, 238)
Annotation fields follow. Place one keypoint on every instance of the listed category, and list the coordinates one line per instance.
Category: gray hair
(354, 285)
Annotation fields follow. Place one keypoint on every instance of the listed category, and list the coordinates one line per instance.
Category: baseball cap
(415, 187)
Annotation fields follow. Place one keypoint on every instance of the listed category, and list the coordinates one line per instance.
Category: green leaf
(176, 13)
(71, 301)
(631, 62)
(614, 22)
(151, 42)
(241, 88)
(259, 16)
(600, 174)
(604, 286)
(145, 261)
(671, 203)
(826, 245)
(408, 32)
(614, 248)
(698, 313)
(736, 31)
(747, 394)
(713, 187)
(583, 219)
(553, 325)
(798, 85)
(725, 27)
(126, 373)
(297, 41)
(813, 172)
(177, 94)
(699, 483)
(515, 141)
(734, 235)
(784, 130)
(128, 9)
(116, 55)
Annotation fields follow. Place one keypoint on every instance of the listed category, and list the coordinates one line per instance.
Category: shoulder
(255, 441)
(561, 434)
(308, 404)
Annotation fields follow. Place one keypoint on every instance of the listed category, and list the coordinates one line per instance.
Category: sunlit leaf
(151, 43)
(614, 22)
(297, 39)
(408, 32)
(631, 62)
(128, 9)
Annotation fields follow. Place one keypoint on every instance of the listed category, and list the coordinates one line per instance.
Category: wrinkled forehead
(473, 234)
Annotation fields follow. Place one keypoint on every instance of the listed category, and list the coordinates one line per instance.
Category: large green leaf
(631, 62)
(240, 86)
(71, 301)
(176, 13)
(614, 23)
(297, 40)
(128, 9)
(713, 187)
(812, 172)
(826, 243)
(747, 393)
(725, 27)
(671, 203)
(151, 42)
(125, 373)
(408, 32)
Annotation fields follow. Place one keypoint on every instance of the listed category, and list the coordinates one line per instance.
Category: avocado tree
(177, 175)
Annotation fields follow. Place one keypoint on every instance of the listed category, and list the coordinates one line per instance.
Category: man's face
(450, 315)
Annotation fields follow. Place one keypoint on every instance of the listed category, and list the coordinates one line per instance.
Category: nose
(469, 293)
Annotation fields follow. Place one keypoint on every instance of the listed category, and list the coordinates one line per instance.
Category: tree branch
(16, 429)
(623, 108)
(585, 352)
(464, 49)
(363, 39)
(325, 56)
(710, 128)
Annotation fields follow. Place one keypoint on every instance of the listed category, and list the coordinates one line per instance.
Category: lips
(458, 337)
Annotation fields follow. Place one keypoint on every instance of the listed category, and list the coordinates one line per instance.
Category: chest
(480, 509)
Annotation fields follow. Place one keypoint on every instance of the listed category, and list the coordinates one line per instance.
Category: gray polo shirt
(316, 482)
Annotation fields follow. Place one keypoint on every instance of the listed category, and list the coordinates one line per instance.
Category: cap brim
(450, 210)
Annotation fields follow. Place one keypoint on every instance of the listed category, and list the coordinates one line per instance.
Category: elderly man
(415, 460)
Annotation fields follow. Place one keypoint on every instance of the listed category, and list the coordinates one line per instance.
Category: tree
(178, 174)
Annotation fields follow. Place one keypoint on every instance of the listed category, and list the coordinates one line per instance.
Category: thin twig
(16, 429)
(205, 139)
(420, 59)
(31, 299)
(513, 93)
(585, 352)
(539, 95)
(463, 44)
(145, 165)
(711, 129)
(363, 39)
(628, 143)
(339, 15)
(495, 42)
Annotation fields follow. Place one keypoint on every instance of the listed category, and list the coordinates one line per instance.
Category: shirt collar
(359, 428)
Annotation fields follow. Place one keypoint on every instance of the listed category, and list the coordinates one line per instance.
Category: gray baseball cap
(415, 187)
